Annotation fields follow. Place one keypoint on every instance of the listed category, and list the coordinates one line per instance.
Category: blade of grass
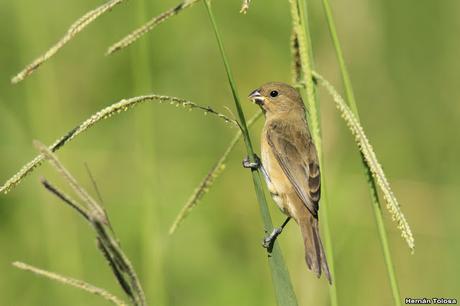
(301, 28)
(148, 174)
(280, 276)
(372, 186)
(122, 282)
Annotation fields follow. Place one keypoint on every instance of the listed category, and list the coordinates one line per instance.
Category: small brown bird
(290, 166)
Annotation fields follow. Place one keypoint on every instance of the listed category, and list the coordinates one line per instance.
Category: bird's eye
(273, 93)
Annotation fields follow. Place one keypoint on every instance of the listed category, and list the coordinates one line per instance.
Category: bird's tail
(314, 252)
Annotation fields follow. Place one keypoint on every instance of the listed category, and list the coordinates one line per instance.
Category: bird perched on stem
(291, 168)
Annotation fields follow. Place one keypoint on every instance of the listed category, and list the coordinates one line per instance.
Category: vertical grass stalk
(350, 97)
(152, 252)
(301, 28)
(280, 276)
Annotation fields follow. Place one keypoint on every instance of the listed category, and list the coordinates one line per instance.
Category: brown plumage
(291, 164)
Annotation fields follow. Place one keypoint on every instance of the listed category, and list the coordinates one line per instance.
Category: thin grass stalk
(150, 25)
(73, 30)
(301, 30)
(71, 282)
(93, 182)
(207, 182)
(372, 186)
(116, 108)
(151, 219)
(280, 276)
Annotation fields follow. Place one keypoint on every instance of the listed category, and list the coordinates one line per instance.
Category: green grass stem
(150, 225)
(301, 28)
(372, 185)
(284, 291)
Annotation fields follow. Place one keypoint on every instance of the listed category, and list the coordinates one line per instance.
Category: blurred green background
(403, 60)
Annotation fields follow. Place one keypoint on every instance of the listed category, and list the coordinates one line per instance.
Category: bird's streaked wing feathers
(297, 156)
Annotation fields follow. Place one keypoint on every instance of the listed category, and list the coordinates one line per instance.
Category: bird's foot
(270, 239)
(252, 165)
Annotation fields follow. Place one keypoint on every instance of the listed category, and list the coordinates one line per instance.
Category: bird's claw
(252, 165)
(270, 239)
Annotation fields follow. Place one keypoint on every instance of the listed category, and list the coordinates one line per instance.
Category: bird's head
(278, 99)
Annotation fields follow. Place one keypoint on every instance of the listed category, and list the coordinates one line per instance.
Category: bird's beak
(256, 97)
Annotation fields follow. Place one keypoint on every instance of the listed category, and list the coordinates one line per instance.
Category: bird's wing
(296, 154)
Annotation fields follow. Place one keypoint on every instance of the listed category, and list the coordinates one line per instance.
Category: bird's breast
(277, 182)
